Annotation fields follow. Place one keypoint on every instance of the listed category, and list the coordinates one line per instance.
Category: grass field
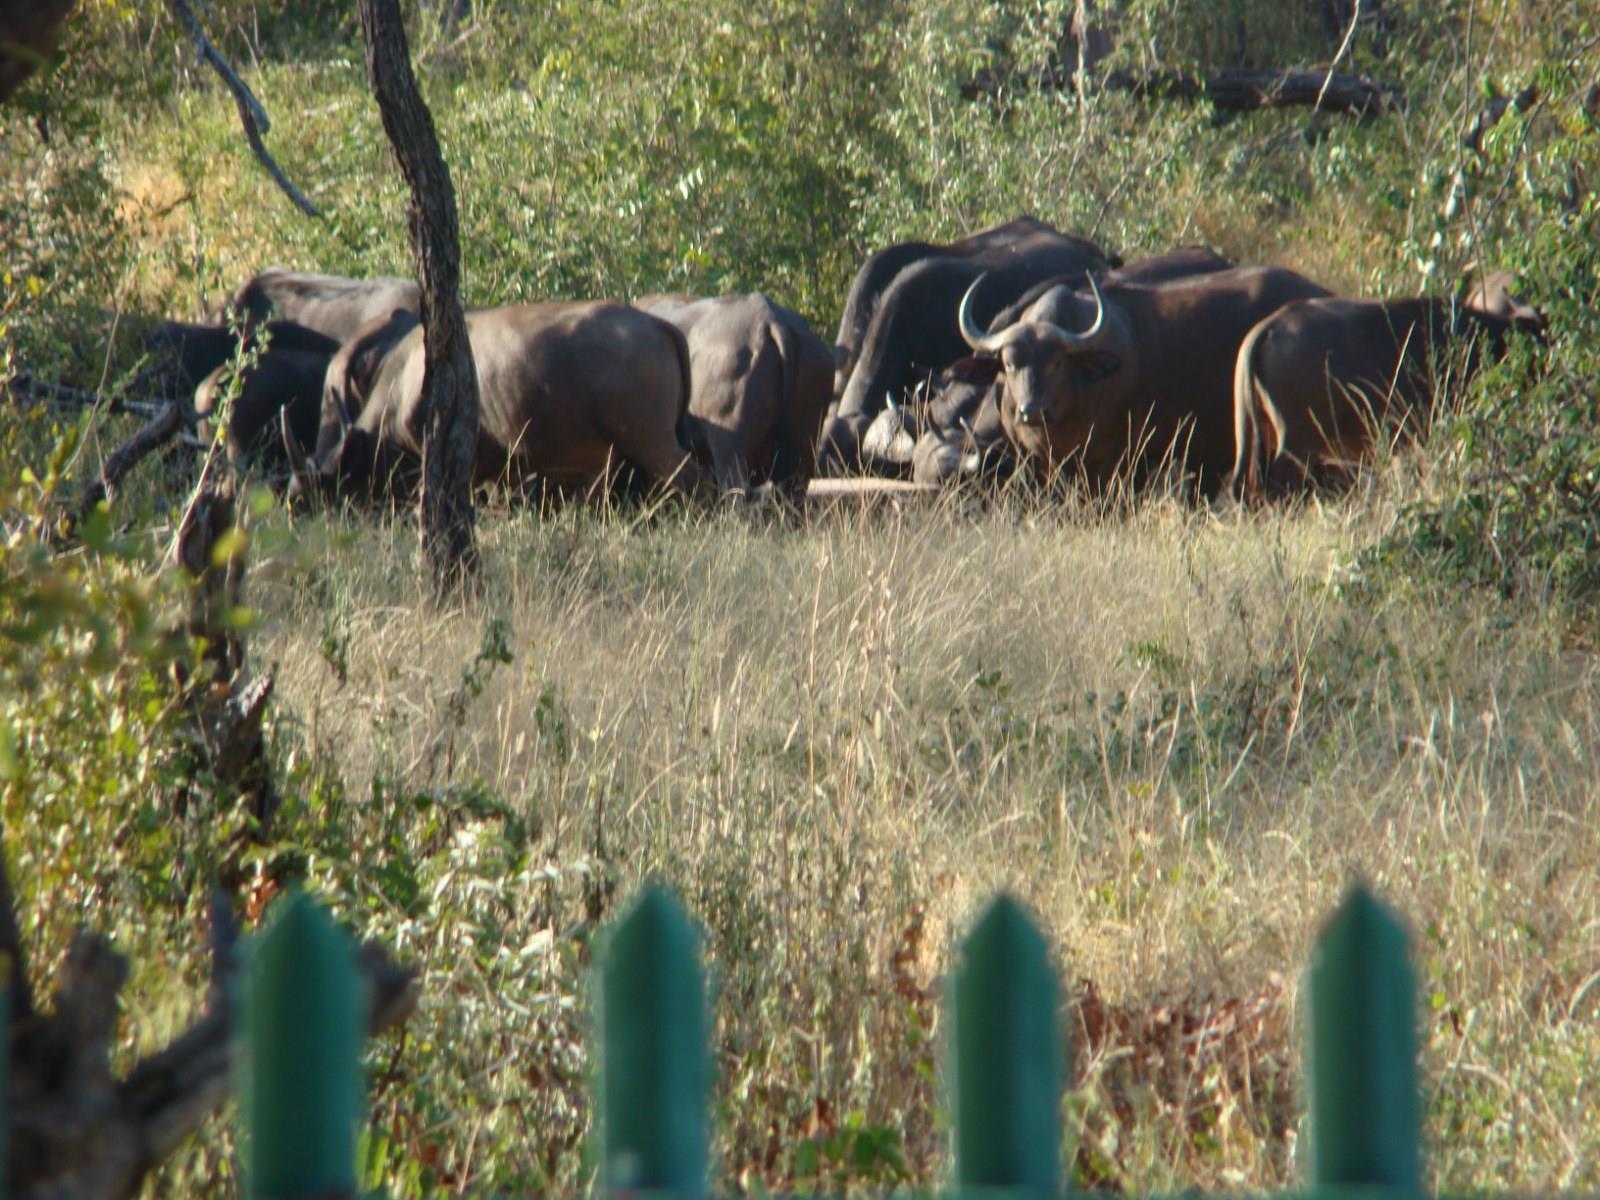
(1176, 734)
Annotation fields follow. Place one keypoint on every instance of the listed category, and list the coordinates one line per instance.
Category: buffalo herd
(1019, 349)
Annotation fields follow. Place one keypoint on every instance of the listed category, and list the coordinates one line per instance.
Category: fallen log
(1248, 90)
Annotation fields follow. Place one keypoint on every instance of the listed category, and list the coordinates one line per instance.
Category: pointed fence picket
(1007, 1061)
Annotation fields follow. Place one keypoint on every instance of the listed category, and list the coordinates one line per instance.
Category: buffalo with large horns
(907, 296)
(1135, 378)
(957, 431)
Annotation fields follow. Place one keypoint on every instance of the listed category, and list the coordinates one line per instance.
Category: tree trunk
(449, 409)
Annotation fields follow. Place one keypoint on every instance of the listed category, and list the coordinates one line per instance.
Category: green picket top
(655, 1067)
(1362, 1053)
(300, 1070)
(1007, 1059)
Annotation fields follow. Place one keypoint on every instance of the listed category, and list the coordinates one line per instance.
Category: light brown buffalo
(569, 392)
(761, 382)
(1148, 383)
(1318, 384)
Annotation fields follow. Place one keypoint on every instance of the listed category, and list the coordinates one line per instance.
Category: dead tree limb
(59, 395)
(79, 1132)
(149, 437)
(449, 379)
(251, 115)
(1248, 90)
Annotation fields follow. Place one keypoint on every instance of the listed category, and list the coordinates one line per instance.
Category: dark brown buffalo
(761, 383)
(351, 372)
(568, 393)
(331, 304)
(1320, 384)
(881, 267)
(183, 355)
(958, 430)
(1146, 385)
(281, 382)
(912, 331)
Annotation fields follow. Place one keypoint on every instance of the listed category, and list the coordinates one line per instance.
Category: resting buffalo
(879, 271)
(183, 355)
(567, 391)
(1318, 383)
(760, 381)
(959, 431)
(281, 381)
(331, 304)
(912, 331)
(1148, 382)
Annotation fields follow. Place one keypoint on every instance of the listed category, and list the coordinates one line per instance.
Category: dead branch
(149, 437)
(77, 1131)
(1490, 114)
(1248, 90)
(59, 395)
(251, 115)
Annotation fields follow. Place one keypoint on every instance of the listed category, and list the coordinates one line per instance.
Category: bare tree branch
(251, 115)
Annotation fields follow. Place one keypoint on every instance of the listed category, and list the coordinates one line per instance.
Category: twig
(251, 115)
(1344, 48)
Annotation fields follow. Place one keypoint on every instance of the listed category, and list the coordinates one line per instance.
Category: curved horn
(1090, 337)
(343, 412)
(983, 343)
(291, 446)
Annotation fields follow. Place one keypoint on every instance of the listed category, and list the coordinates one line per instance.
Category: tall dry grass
(1177, 737)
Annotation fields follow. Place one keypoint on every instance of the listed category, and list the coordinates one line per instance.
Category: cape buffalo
(1319, 382)
(760, 381)
(183, 355)
(351, 371)
(281, 381)
(912, 328)
(330, 304)
(1148, 383)
(958, 430)
(568, 391)
(879, 271)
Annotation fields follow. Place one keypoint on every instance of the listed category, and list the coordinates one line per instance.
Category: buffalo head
(1060, 385)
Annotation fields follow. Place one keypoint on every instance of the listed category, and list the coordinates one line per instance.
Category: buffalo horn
(983, 343)
(343, 412)
(1090, 337)
(291, 446)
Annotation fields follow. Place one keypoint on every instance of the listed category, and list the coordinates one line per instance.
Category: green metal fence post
(1365, 1122)
(1007, 1061)
(300, 1085)
(654, 1062)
